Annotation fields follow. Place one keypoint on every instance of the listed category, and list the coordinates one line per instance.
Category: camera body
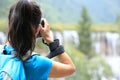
(43, 25)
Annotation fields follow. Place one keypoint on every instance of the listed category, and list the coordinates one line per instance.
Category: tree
(85, 32)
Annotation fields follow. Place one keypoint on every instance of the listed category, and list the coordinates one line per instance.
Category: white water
(114, 62)
(109, 40)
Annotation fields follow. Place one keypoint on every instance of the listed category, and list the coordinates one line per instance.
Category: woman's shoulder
(39, 66)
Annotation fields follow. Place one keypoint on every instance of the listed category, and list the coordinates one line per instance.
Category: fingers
(45, 24)
(44, 30)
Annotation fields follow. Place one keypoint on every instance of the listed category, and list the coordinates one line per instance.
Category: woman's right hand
(45, 31)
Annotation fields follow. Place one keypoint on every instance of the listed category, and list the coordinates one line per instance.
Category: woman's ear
(37, 30)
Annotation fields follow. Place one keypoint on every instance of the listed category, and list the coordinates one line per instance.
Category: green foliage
(57, 12)
(80, 62)
(4, 7)
(67, 11)
(60, 10)
(4, 10)
(97, 67)
(3, 25)
(87, 69)
(61, 27)
(106, 27)
(118, 23)
(85, 32)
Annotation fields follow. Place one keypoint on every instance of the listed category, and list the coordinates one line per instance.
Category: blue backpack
(11, 68)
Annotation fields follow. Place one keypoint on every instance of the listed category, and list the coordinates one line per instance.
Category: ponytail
(21, 35)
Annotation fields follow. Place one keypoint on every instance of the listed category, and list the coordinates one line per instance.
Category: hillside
(68, 11)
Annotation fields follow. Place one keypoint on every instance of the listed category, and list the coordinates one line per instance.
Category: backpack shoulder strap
(4, 76)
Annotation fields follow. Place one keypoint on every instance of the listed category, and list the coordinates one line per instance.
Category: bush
(88, 69)
(3, 25)
(80, 62)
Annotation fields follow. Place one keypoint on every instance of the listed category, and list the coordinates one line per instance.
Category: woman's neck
(8, 43)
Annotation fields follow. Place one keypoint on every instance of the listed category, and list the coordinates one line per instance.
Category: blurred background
(89, 30)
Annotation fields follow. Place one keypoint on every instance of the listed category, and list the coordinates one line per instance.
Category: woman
(24, 26)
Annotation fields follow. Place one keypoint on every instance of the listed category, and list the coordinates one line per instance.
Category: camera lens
(42, 23)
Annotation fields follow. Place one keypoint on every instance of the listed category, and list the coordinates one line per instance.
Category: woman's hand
(45, 31)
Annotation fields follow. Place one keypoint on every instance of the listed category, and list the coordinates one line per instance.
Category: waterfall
(102, 42)
(67, 36)
(71, 36)
(106, 42)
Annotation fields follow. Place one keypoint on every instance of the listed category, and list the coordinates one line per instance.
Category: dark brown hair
(24, 16)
